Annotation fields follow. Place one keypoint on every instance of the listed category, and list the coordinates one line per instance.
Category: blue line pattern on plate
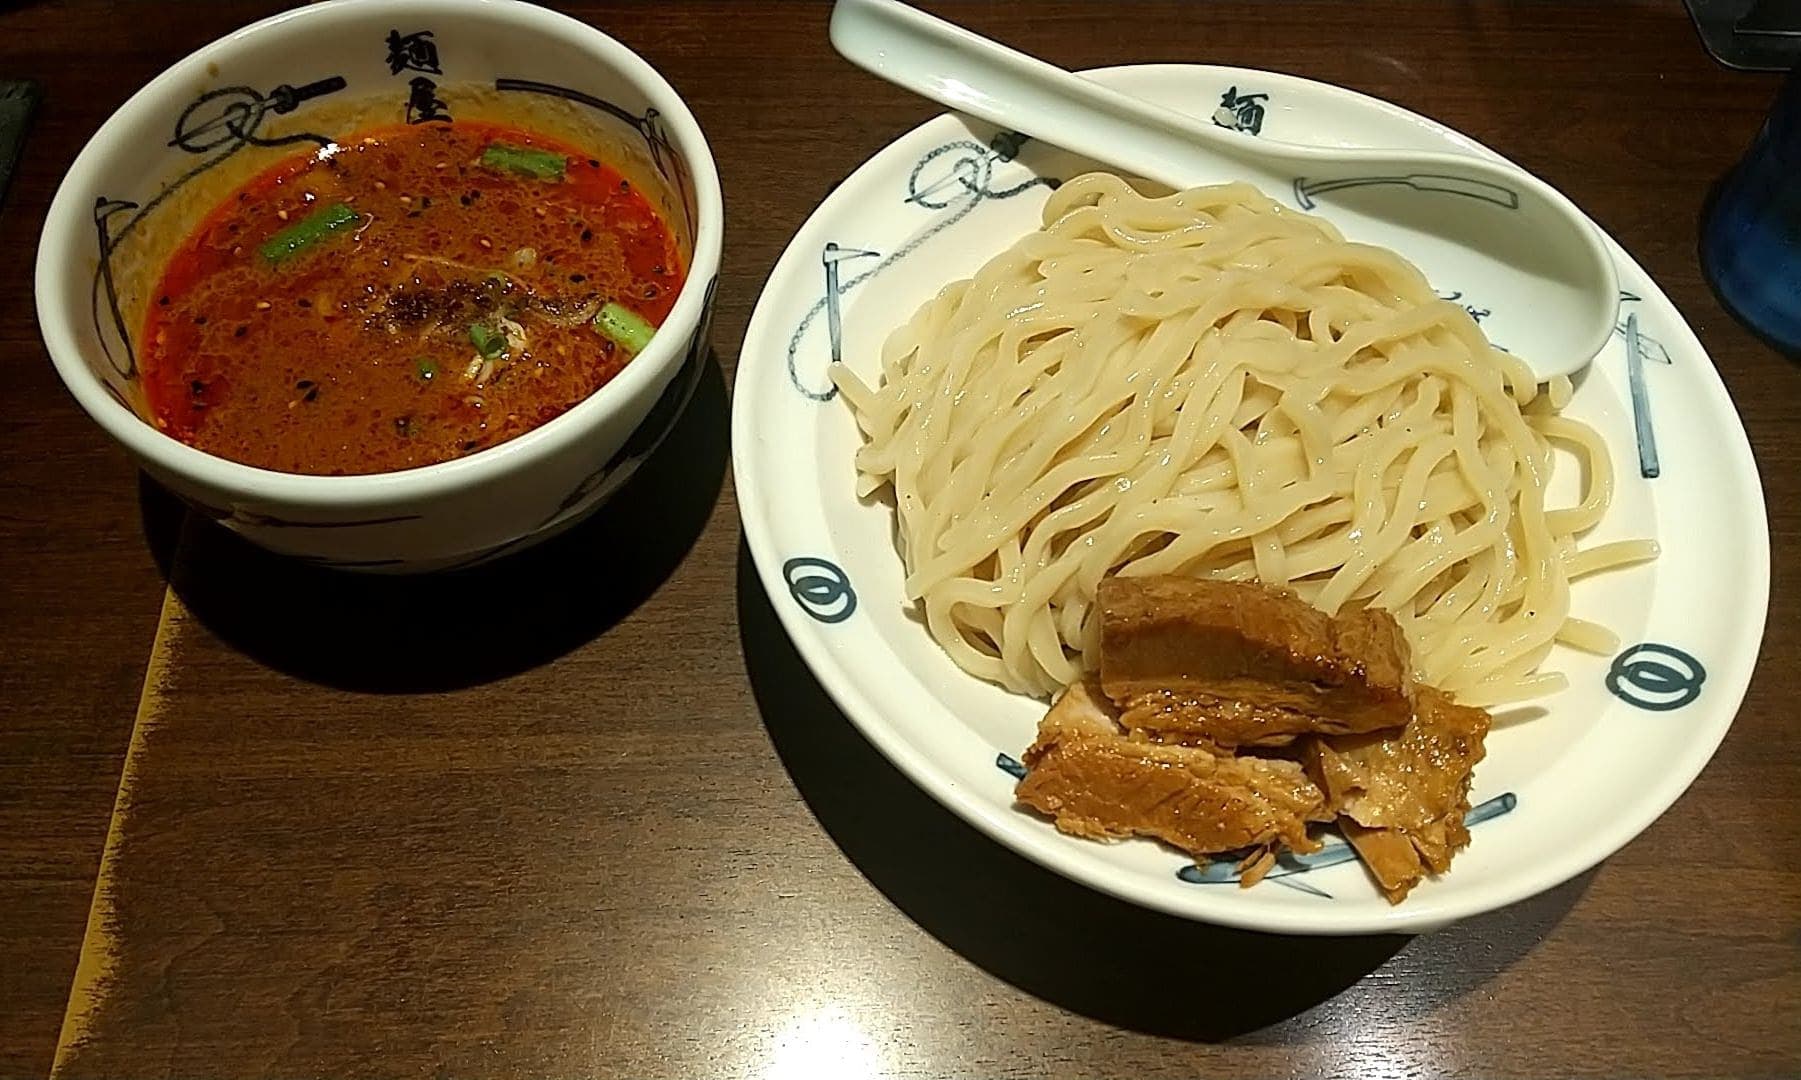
(1336, 851)
(832, 256)
(1504, 197)
(1649, 347)
(1476, 313)
(820, 588)
(1240, 112)
(1640, 347)
(966, 185)
(1288, 864)
(1648, 466)
(1656, 677)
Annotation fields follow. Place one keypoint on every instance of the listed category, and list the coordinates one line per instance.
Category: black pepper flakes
(587, 235)
(200, 320)
(578, 278)
(240, 331)
(163, 302)
(304, 302)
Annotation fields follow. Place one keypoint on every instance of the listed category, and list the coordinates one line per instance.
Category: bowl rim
(67, 220)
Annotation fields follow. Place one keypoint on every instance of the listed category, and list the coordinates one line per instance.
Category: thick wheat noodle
(1209, 384)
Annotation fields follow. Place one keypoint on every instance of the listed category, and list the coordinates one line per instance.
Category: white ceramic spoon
(1497, 238)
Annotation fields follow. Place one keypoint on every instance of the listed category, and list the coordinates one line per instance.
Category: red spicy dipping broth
(408, 296)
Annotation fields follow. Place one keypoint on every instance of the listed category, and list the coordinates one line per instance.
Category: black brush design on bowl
(215, 125)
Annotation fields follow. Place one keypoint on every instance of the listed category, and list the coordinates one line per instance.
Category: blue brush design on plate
(1336, 851)
(834, 317)
(1656, 677)
(820, 587)
(1505, 197)
(1475, 313)
(1288, 864)
(1640, 347)
(965, 184)
(1650, 347)
(1240, 112)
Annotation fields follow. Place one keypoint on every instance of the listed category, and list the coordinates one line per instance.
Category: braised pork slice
(1096, 781)
(1402, 796)
(1240, 664)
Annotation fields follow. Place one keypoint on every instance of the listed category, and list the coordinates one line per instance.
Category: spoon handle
(964, 71)
(1480, 220)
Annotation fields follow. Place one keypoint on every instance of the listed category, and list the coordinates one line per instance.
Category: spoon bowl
(1466, 221)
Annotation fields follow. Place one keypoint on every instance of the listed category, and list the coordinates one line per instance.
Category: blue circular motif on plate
(1656, 677)
(820, 588)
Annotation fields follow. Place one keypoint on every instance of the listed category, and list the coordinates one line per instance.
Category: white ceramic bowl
(206, 124)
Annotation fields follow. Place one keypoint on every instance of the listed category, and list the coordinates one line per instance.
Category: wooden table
(586, 814)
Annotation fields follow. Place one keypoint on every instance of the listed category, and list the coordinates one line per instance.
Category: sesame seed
(263, 305)
(282, 214)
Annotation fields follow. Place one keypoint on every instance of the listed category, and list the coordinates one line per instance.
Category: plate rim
(1042, 843)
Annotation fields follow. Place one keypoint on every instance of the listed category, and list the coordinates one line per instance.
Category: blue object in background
(1751, 235)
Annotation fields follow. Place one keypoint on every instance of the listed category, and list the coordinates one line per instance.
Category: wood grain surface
(586, 814)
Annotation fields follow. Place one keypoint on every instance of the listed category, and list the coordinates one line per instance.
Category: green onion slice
(486, 341)
(307, 231)
(627, 329)
(541, 164)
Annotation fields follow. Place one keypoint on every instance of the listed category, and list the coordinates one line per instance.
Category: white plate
(1563, 786)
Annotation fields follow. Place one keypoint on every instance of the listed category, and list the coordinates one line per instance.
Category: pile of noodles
(1209, 384)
